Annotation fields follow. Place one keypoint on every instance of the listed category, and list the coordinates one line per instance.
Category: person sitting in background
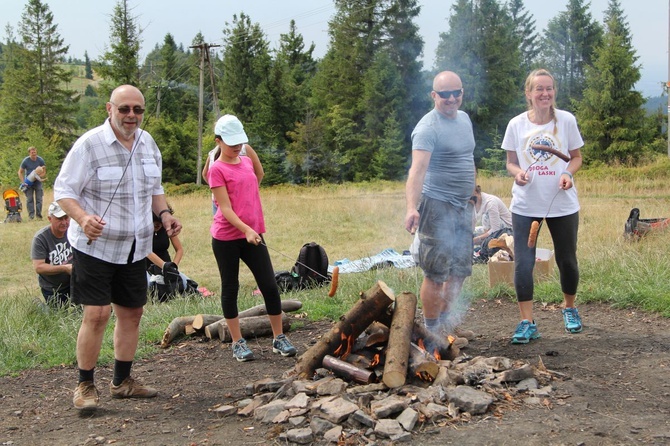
(52, 257)
(162, 267)
(491, 212)
(495, 220)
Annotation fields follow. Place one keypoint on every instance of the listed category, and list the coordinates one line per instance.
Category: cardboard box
(503, 272)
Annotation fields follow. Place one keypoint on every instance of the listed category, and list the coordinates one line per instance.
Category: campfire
(377, 373)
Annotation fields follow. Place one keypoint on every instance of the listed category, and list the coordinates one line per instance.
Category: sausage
(532, 236)
(551, 150)
(334, 281)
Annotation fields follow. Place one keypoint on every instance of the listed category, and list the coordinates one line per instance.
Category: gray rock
(408, 418)
(319, 426)
(388, 406)
(388, 428)
(300, 436)
(469, 400)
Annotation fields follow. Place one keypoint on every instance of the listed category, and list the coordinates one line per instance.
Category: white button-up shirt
(117, 184)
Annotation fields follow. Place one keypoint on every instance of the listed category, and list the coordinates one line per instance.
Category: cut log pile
(253, 323)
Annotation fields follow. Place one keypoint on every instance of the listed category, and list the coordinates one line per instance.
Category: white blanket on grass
(386, 258)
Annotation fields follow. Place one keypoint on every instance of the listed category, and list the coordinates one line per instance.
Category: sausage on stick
(532, 236)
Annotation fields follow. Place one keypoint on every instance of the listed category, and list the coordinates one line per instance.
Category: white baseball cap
(55, 210)
(231, 130)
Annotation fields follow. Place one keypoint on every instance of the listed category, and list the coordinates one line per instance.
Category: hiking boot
(129, 388)
(572, 321)
(282, 345)
(241, 352)
(525, 332)
(463, 333)
(459, 342)
(86, 396)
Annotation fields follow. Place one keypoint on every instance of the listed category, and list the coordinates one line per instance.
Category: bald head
(124, 91)
(447, 93)
(447, 80)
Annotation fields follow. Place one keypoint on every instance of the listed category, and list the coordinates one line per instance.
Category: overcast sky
(85, 24)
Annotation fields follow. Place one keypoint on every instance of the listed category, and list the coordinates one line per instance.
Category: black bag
(166, 284)
(309, 271)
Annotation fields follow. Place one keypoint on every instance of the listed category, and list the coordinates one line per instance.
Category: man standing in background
(34, 191)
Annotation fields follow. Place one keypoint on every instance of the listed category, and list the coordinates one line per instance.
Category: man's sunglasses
(125, 109)
(446, 94)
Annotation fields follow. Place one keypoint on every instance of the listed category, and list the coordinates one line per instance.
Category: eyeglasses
(447, 93)
(125, 109)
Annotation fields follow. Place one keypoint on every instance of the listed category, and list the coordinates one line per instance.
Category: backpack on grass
(309, 271)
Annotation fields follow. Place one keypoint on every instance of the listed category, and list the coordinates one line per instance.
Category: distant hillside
(653, 104)
(79, 81)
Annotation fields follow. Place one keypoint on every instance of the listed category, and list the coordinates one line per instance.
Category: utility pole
(204, 56)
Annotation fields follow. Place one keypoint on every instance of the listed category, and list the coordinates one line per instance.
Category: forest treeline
(344, 117)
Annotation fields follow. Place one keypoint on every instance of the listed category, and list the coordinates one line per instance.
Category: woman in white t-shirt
(543, 153)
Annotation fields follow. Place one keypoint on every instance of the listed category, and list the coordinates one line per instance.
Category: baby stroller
(13, 206)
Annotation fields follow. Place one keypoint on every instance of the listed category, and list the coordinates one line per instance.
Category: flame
(346, 343)
(436, 354)
(421, 345)
(375, 360)
(424, 376)
(451, 339)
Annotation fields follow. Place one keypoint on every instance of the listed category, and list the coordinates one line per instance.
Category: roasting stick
(333, 280)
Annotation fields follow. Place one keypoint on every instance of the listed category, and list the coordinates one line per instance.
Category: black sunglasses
(447, 93)
(125, 109)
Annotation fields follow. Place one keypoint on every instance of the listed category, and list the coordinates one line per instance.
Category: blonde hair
(530, 84)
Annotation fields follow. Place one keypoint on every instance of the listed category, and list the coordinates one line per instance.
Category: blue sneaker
(573, 323)
(282, 345)
(525, 332)
(241, 352)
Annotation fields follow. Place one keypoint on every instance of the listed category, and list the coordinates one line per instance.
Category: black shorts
(96, 282)
(445, 236)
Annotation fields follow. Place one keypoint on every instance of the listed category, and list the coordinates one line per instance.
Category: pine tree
(568, 48)
(33, 93)
(246, 64)
(611, 116)
(120, 64)
(87, 67)
(524, 30)
(482, 47)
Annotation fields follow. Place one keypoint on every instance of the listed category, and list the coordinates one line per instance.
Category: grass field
(350, 221)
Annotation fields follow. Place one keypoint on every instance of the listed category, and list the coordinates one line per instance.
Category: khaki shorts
(445, 236)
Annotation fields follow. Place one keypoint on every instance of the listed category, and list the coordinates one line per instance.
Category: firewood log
(397, 351)
(212, 329)
(422, 364)
(253, 327)
(348, 371)
(202, 320)
(343, 333)
(176, 328)
(432, 341)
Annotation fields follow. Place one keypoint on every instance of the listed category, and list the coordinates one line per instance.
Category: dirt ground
(615, 390)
